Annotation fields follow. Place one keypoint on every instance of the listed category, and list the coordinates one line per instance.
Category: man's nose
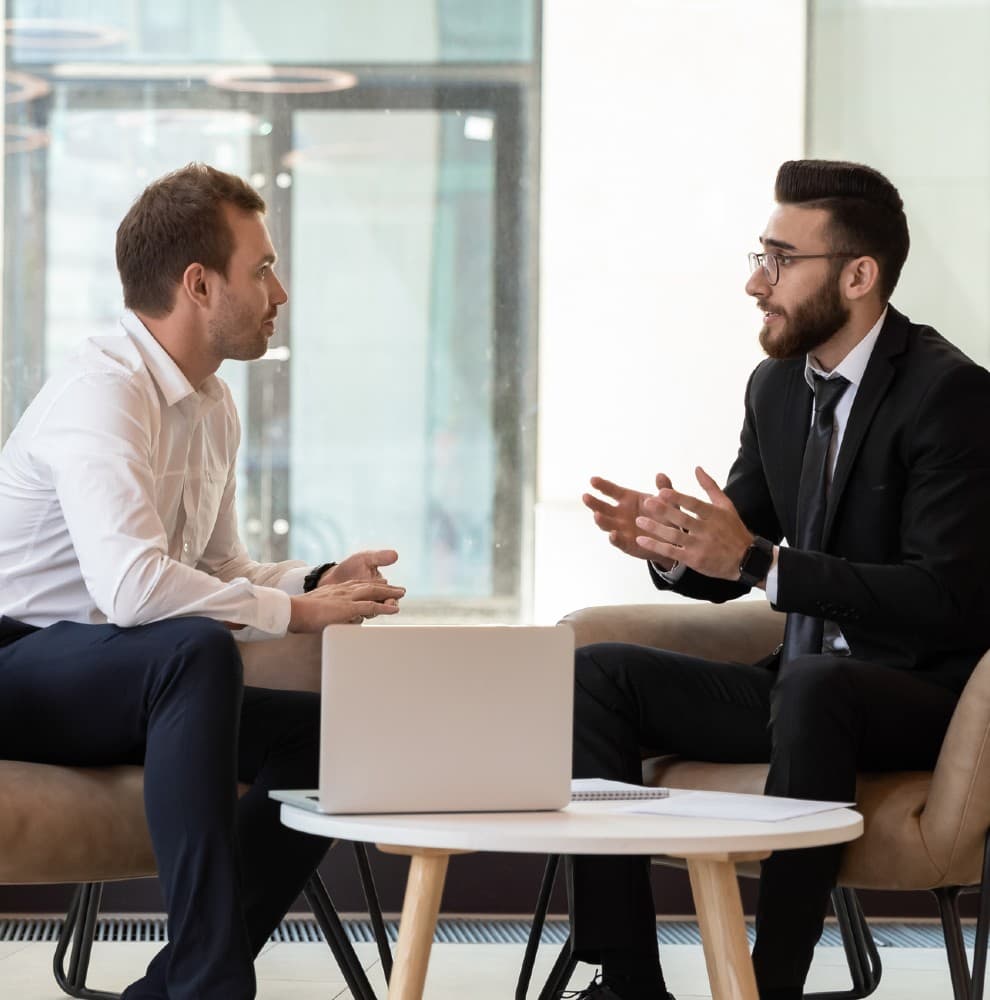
(757, 285)
(279, 295)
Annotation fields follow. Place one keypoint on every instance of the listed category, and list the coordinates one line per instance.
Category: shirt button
(185, 546)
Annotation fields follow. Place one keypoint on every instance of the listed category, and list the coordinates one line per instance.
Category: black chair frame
(79, 930)
(865, 968)
(861, 951)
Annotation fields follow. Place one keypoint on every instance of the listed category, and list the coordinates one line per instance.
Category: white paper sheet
(732, 805)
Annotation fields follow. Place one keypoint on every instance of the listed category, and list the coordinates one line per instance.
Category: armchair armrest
(292, 663)
(741, 632)
(956, 817)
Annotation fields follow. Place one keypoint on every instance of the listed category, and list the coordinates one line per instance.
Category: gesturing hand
(360, 566)
(618, 520)
(710, 538)
(343, 603)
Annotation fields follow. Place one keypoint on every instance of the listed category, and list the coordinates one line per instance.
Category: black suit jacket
(906, 550)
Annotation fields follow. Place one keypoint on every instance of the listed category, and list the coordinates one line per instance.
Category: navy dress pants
(832, 716)
(170, 696)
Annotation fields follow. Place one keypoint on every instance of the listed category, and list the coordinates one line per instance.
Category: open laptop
(444, 719)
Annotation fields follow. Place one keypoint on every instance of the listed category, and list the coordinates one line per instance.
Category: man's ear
(197, 282)
(860, 277)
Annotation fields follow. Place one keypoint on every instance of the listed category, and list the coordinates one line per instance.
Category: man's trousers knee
(169, 695)
(832, 716)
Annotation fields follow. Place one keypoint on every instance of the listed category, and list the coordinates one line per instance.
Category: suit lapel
(876, 381)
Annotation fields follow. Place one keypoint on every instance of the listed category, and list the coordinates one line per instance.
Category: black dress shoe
(597, 990)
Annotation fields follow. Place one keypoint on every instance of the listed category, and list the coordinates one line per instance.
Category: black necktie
(804, 633)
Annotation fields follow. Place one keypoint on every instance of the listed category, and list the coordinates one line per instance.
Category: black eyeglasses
(773, 262)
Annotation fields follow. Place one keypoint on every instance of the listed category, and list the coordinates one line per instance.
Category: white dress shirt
(852, 367)
(117, 498)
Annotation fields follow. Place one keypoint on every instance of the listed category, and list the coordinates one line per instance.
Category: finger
(663, 532)
(663, 482)
(596, 505)
(660, 548)
(371, 609)
(714, 491)
(607, 523)
(383, 557)
(609, 488)
(667, 513)
(374, 591)
(685, 501)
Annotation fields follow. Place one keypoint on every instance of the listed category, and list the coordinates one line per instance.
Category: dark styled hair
(866, 212)
(176, 221)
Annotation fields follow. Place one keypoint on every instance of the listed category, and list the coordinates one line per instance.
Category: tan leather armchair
(87, 826)
(923, 830)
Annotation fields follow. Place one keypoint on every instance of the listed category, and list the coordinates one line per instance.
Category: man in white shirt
(123, 579)
(863, 446)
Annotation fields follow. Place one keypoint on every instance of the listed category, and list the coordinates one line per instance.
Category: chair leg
(79, 929)
(948, 907)
(374, 909)
(343, 952)
(867, 947)
(861, 950)
(536, 928)
(560, 974)
(982, 928)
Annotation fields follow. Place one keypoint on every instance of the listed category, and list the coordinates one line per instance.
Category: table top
(581, 828)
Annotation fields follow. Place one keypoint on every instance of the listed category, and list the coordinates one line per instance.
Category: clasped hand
(672, 527)
(348, 593)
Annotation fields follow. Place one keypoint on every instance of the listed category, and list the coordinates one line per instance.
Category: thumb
(663, 482)
(383, 557)
(714, 491)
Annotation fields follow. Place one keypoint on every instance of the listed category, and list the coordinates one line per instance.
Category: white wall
(663, 127)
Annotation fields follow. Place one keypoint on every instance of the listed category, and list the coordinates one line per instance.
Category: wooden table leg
(420, 907)
(723, 928)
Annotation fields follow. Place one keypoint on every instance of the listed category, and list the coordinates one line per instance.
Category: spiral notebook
(604, 790)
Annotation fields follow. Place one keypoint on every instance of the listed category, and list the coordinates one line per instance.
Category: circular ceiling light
(24, 138)
(43, 33)
(294, 80)
(22, 87)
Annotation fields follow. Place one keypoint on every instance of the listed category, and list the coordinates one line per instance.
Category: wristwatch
(756, 562)
(312, 579)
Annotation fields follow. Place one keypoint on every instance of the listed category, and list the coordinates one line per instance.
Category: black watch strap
(756, 562)
(312, 579)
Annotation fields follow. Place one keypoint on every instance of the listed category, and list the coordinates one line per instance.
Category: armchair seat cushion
(72, 824)
(891, 854)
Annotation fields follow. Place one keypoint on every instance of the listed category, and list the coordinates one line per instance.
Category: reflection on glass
(392, 334)
(394, 406)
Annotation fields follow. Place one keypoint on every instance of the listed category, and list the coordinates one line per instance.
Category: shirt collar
(174, 386)
(853, 365)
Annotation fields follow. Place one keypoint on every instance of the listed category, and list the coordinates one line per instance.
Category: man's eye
(783, 260)
(262, 271)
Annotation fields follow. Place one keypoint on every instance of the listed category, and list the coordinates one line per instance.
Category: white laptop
(444, 719)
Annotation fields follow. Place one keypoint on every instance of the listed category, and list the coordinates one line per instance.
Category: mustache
(765, 306)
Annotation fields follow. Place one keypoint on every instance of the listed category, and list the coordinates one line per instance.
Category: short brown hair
(176, 221)
(865, 209)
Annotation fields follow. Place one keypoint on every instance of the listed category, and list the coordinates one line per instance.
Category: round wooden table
(710, 847)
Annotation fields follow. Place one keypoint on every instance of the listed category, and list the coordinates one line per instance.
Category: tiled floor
(457, 971)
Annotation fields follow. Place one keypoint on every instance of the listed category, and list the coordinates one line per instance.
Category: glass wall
(395, 144)
(904, 85)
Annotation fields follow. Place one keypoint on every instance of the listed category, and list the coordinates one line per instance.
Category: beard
(809, 325)
(235, 333)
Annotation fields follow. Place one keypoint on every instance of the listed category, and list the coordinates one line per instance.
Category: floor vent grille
(462, 930)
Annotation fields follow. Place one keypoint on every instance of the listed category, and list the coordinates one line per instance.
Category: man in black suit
(865, 445)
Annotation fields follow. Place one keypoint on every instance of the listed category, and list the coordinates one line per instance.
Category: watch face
(756, 563)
